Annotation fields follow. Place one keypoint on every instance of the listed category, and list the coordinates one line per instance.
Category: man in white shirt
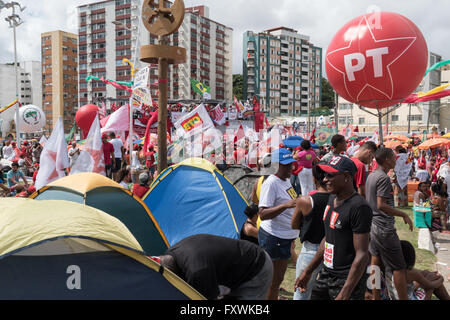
(276, 207)
(74, 153)
(8, 151)
(119, 151)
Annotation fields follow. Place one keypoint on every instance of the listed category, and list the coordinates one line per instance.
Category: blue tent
(193, 197)
(295, 141)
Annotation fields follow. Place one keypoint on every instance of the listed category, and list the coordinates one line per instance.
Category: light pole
(14, 21)
(130, 134)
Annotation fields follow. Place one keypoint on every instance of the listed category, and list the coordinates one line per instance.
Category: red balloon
(377, 60)
(85, 116)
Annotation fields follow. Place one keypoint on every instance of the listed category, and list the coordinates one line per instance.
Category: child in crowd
(439, 207)
(421, 284)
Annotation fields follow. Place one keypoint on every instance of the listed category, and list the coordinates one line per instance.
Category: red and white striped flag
(219, 116)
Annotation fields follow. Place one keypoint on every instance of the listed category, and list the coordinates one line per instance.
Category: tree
(238, 84)
(327, 94)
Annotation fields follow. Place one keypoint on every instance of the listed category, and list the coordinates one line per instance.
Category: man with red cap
(108, 153)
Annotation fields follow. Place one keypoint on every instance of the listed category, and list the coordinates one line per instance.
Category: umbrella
(434, 143)
(396, 137)
(295, 143)
(392, 144)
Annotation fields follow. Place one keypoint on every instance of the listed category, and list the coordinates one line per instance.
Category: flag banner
(71, 133)
(402, 169)
(199, 88)
(324, 136)
(240, 107)
(118, 121)
(219, 116)
(102, 110)
(141, 80)
(54, 157)
(232, 113)
(142, 96)
(9, 106)
(437, 65)
(91, 158)
(194, 122)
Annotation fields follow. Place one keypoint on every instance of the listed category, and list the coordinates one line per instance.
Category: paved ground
(443, 256)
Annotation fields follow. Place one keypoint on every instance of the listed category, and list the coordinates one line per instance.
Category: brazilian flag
(199, 87)
(324, 136)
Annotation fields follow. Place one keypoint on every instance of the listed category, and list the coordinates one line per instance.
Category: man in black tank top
(345, 249)
(308, 219)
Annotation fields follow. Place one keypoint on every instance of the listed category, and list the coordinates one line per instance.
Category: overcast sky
(319, 19)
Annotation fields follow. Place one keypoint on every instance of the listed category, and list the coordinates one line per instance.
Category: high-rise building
(59, 78)
(445, 102)
(284, 69)
(30, 89)
(209, 51)
(112, 30)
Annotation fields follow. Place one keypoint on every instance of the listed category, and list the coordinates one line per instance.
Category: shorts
(277, 248)
(386, 246)
(117, 165)
(328, 287)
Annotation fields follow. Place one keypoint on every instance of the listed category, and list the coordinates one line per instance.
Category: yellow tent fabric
(28, 222)
(85, 182)
(24, 222)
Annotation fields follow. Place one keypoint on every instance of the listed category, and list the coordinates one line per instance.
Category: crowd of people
(18, 173)
(345, 215)
(340, 204)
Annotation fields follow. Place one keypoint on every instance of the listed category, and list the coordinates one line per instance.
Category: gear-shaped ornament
(160, 18)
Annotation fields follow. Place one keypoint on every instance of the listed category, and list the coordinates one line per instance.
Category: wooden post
(163, 66)
(162, 21)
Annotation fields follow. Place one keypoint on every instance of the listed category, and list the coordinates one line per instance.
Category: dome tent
(97, 191)
(60, 250)
(194, 197)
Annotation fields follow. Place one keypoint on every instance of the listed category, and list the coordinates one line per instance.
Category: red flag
(255, 104)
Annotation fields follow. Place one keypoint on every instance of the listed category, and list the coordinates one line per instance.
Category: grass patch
(424, 258)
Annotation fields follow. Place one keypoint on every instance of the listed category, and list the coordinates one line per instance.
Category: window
(415, 117)
(362, 120)
(394, 117)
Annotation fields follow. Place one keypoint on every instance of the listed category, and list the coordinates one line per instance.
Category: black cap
(339, 164)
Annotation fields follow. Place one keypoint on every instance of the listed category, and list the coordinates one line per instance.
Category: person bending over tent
(220, 267)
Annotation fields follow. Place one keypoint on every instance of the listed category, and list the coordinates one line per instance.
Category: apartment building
(209, 51)
(283, 68)
(30, 89)
(59, 78)
(110, 31)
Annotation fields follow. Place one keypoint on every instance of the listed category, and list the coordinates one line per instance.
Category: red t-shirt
(139, 190)
(150, 160)
(360, 175)
(108, 149)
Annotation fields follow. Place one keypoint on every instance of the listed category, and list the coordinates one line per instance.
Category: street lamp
(14, 21)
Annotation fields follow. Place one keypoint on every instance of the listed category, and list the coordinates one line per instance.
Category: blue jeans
(304, 258)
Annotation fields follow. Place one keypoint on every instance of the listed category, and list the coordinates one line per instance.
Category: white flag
(54, 157)
(91, 158)
(118, 121)
(194, 122)
(219, 115)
